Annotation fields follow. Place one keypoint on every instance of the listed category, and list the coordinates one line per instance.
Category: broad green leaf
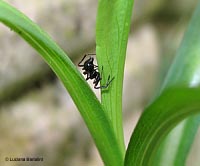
(158, 119)
(91, 110)
(112, 29)
(176, 146)
(185, 70)
(174, 107)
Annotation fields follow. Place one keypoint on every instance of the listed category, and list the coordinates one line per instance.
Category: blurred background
(38, 117)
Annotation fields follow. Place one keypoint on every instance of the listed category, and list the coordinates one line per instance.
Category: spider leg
(101, 70)
(106, 85)
(79, 64)
(91, 54)
(95, 67)
(88, 76)
(85, 73)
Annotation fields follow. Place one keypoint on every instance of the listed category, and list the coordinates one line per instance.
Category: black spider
(91, 71)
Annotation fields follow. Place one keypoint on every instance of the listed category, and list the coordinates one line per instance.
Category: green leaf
(112, 29)
(158, 119)
(176, 146)
(90, 108)
(178, 99)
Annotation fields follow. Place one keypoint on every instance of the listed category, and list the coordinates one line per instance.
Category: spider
(91, 72)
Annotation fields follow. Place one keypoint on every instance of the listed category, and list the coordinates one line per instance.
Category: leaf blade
(112, 29)
(184, 72)
(88, 105)
(175, 147)
(148, 134)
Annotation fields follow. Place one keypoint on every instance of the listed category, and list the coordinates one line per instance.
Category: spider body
(91, 72)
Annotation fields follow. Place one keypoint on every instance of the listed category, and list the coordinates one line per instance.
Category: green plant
(178, 99)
